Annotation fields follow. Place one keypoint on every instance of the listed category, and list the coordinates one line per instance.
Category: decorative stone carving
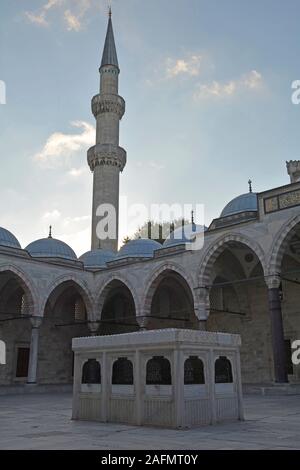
(107, 154)
(36, 321)
(108, 104)
(94, 327)
(273, 281)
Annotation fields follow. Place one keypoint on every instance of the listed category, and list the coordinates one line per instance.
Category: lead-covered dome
(8, 239)
(97, 258)
(243, 203)
(51, 248)
(184, 234)
(140, 248)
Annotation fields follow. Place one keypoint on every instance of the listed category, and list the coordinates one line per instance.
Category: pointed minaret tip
(109, 56)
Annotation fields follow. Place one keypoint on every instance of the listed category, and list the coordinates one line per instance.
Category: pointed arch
(32, 298)
(105, 287)
(280, 245)
(81, 287)
(155, 278)
(216, 249)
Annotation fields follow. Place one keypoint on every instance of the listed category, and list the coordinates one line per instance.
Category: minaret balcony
(108, 103)
(106, 154)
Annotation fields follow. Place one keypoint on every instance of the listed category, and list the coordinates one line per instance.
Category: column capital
(202, 312)
(93, 327)
(273, 281)
(143, 322)
(36, 321)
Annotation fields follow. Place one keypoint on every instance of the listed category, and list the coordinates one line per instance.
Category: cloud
(38, 19)
(73, 12)
(59, 147)
(76, 220)
(77, 172)
(54, 215)
(72, 21)
(190, 65)
(251, 81)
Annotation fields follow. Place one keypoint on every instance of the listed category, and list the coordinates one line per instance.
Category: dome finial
(250, 186)
(50, 232)
(192, 217)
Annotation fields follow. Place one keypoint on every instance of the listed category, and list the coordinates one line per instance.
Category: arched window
(223, 370)
(91, 372)
(158, 371)
(122, 373)
(193, 371)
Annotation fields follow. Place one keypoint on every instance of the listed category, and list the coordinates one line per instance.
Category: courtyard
(42, 421)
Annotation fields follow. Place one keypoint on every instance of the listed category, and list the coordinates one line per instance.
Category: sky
(207, 85)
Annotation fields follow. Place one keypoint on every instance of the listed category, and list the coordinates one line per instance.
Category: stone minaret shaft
(106, 159)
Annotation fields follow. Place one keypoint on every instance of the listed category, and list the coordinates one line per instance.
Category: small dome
(242, 203)
(8, 239)
(140, 248)
(182, 235)
(97, 258)
(51, 248)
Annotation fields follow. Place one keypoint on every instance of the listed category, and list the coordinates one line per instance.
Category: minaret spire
(109, 56)
(107, 159)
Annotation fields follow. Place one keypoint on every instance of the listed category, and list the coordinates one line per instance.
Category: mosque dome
(182, 235)
(97, 258)
(51, 248)
(8, 239)
(140, 248)
(243, 203)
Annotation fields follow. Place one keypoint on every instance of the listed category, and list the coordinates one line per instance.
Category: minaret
(106, 159)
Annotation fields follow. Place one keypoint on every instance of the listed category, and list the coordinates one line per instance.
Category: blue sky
(207, 85)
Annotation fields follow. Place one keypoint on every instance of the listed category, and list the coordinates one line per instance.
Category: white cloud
(53, 215)
(190, 65)
(73, 12)
(38, 19)
(72, 22)
(59, 147)
(251, 81)
(76, 220)
(77, 172)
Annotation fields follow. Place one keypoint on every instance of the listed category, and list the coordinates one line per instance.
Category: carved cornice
(106, 154)
(108, 104)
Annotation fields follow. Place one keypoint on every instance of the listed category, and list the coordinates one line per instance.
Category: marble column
(202, 309)
(34, 349)
(279, 355)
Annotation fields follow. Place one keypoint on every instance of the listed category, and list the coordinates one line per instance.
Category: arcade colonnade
(114, 301)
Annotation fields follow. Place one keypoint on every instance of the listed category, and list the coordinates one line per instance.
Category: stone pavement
(43, 422)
